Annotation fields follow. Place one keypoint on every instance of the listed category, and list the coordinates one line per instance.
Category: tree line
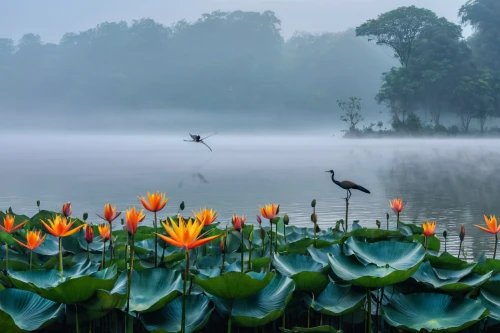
(439, 70)
(224, 60)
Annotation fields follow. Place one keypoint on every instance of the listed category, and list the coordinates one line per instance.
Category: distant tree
(352, 111)
(398, 29)
(398, 93)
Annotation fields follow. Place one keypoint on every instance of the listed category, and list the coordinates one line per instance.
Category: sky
(52, 18)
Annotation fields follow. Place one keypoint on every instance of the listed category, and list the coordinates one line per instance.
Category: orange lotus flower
(185, 235)
(397, 205)
(491, 222)
(110, 213)
(60, 226)
(238, 222)
(66, 209)
(269, 211)
(206, 216)
(8, 224)
(133, 218)
(104, 231)
(33, 239)
(155, 201)
(429, 228)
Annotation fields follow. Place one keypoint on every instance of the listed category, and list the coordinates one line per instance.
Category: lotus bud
(378, 224)
(85, 216)
(66, 209)
(89, 234)
(221, 244)
(122, 221)
(10, 211)
(462, 233)
(286, 219)
(314, 218)
(313, 203)
(262, 234)
(278, 210)
(317, 228)
(38, 203)
(445, 234)
(182, 206)
(387, 215)
(259, 220)
(276, 220)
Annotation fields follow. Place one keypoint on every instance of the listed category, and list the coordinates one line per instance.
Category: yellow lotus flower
(59, 227)
(429, 228)
(269, 211)
(185, 235)
(33, 239)
(206, 216)
(8, 224)
(154, 202)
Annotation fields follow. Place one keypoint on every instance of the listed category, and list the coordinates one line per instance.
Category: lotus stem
(88, 251)
(186, 273)
(397, 222)
(229, 324)
(284, 231)
(60, 259)
(496, 243)
(111, 243)
(387, 218)
(346, 215)
(129, 278)
(156, 241)
(284, 320)
(77, 325)
(103, 255)
(242, 251)
(276, 240)
(250, 256)
(425, 242)
(6, 258)
(31, 259)
(314, 240)
(459, 249)
(368, 311)
(271, 240)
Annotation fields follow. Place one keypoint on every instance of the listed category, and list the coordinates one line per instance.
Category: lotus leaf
(352, 271)
(229, 285)
(78, 284)
(433, 312)
(336, 300)
(318, 329)
(491, 300)
(22, 310)
(307, 274)
(168, 318)
(262, 308)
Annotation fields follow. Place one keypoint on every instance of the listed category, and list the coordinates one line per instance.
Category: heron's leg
(349, 195)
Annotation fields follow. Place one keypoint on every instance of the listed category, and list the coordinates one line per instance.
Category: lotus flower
(89, 234)
(206, 216)
(104, 231)
(493, 228)
(397, 205)
(110, 213)
(59, 227)
(186, 236)
(154, 203)
(238, 222)
(269, 211)
(33, 240)
(8, 224)
(133, 218)
(66, 209)
(259, 220)
(429, 228)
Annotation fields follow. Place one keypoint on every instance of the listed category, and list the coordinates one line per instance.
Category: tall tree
(398, 29)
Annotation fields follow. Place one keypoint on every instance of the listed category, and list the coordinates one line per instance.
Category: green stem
(6, 257)
(31, 259)
(60, 259)
(250, 257)
(77, 325)
(346, 215)
(459, 249)
(397, 222)
(496, 243)
(111, 243)
(186, 273)
(368, 311)
(88, 251)
(387, 221)
(271, 243)
(129, 278)
(229, 324)
(103, 254)
(156, 241)
(425, 242)
(276, 240)
(242, 251)
(314, 234)
(284, 231)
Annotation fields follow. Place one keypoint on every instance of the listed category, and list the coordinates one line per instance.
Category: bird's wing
(347, 183)
(206, 145)
(208, 136)
(193, 136)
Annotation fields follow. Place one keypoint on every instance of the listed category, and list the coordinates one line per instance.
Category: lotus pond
(195, 274)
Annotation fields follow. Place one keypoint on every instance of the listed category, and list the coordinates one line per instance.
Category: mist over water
(450, 181)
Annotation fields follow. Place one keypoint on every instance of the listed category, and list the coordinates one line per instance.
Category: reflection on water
(451, 181)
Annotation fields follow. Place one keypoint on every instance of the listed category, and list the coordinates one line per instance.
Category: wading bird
(197, 138)
(348, 185)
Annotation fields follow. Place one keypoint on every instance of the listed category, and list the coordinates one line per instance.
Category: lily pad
(22, 310)
(433, 312)
(491, 300)
(307, 274)
(318, 329)
(336, 300)
(168, 319)
(229, 285)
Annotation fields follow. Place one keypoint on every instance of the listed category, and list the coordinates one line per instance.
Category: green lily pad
(491, 300)
(318, 329)
(22, 310)
(336, 300)
(433, 312)
(105, 300)
(369, 275)
(267, 305)
(449, 280)
(307, 274)
(168, 319)
(229, 285)
(79, 283)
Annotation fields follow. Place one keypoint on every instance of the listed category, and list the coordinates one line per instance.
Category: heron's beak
(327, 171)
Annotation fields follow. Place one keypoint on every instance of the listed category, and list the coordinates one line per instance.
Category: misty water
(450, 181)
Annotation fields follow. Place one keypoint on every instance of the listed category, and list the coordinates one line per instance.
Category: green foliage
(352, 112)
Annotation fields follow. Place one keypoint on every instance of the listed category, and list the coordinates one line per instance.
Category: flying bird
(198, 139)
(348, 185)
